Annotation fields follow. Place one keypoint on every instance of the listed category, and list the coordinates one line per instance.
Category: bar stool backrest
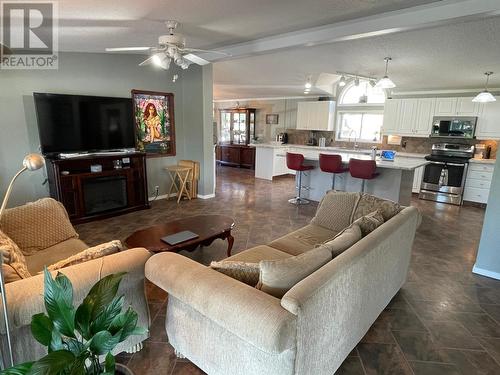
(294, 161)
(364, 169)
(330, 163)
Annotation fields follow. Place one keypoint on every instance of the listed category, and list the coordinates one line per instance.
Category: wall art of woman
(153, 122)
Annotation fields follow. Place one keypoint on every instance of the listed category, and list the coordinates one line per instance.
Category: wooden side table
(182, 174)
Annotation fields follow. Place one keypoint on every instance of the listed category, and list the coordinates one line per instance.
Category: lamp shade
(33, 162)
(385, 83)
(484, 97)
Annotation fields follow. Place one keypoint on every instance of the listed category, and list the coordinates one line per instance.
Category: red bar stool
(296, 163)
(331, 164)
(363, 169)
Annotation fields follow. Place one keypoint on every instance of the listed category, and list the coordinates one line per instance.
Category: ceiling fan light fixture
(161, 60)
(485, 96)
(385, 82)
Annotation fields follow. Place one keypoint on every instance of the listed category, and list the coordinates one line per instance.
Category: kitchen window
(360, 113)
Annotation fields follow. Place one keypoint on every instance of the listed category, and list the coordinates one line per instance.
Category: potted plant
(77, 338)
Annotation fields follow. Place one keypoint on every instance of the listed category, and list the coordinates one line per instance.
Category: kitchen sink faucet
(355, 145)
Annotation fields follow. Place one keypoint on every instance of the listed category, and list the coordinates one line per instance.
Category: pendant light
(485, 96)
(385, 82)
(342, 81)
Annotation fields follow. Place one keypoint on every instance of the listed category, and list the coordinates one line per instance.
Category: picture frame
(272, 119)
(154, 122)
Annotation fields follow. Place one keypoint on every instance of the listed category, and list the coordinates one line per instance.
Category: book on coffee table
(179, 237)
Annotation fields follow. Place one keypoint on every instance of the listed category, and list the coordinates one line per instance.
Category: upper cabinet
(318, 115)
(408, 117)
(488, 123)
(457, 107)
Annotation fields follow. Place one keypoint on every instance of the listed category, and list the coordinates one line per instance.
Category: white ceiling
(92, 25)
(446, 57)
(450, 56)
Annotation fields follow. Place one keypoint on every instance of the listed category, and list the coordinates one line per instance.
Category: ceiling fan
(171, 47)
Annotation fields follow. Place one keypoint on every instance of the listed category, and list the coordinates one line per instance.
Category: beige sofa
(45, 236)
(227, 327)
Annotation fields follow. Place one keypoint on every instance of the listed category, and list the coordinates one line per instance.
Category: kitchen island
(394, 182)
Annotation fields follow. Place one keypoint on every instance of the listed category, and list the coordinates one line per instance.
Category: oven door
(444, 177)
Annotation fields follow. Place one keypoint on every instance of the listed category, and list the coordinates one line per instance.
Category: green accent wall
(105, 75)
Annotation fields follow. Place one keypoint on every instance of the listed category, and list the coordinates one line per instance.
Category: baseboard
(164, 196)
(208, 196)
(487, 273)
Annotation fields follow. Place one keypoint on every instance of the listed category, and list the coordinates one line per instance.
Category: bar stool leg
(333, 181)
(299, 200)
(363, 185)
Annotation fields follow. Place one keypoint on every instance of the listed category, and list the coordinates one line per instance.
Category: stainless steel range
(444, 177)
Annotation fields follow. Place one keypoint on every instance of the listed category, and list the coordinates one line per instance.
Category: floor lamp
(31, 162)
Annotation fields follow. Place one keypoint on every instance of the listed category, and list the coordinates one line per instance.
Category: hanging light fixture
(385, 82)
(308, 84)
(485, 96)
(342, 81)
(356, 81)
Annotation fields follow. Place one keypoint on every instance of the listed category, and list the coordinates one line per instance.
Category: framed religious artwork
(154, 122)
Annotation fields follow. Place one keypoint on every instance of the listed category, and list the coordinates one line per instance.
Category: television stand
(70, 155)
(90, 195)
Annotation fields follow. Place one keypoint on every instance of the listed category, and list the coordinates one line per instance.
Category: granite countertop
(357, 153)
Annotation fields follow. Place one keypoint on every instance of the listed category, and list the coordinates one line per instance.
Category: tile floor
(445, 320)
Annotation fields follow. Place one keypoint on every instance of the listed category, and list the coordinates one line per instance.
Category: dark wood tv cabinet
(90, 195)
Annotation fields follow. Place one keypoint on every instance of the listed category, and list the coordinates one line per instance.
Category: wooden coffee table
(207, 227)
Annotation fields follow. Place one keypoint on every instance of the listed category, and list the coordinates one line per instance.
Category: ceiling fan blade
(123, 49)
(204, 50)
(148, 61)
(196, 59)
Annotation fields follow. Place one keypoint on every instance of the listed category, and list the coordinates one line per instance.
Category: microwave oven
(456, 127)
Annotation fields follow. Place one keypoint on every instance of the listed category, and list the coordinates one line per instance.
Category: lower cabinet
(477, 183)
(417, 179)
(236, 155)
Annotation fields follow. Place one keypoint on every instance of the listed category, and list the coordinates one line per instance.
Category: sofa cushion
(335, 210)
(247, 273)
(13, 256)
(53, 254)
(94, 252)
(369, 203)
(38, 225)
(304, 239)
(258, 253)
(343, 240)
(279, 276)
(370, 222)
(10, 274)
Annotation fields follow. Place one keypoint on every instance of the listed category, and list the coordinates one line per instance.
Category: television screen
(77, 123)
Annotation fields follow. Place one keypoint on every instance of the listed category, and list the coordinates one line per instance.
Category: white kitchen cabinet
(488, 123)
(407, 116)
(391, 116)
(417, 179)
(466, 107)
(318, 115)
(446, 107)
(478, 182)
(425, 113)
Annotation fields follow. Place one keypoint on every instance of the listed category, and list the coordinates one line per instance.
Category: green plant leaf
(53, 363)
(82, 319)
(74, 346)
(78, 366)
(104, 342)
(55, 341)
(104, 319)
(124, 322)
(109, 363)
(102, 293)
(41, 328)
(57, 295)
(21, 369)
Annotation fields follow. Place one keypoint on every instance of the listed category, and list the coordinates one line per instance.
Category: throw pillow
(335, 210)
(13, 256)
(10, 274)
(278, 276)
(88, 254)
(343, 240)
(37, 225)
(369, 203)
(370, 222)
(247, 273)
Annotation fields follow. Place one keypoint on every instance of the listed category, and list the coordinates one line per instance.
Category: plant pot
(122, 370)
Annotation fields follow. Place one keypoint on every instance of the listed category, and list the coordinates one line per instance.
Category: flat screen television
(79, 123)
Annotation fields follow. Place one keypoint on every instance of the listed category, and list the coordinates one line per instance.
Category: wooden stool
(181, 173)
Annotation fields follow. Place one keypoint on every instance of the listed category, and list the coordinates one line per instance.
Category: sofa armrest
(25, 297)
(248, 313)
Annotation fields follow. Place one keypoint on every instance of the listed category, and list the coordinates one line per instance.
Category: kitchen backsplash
(408, 144)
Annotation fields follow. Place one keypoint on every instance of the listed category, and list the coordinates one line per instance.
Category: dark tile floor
(445, 320)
